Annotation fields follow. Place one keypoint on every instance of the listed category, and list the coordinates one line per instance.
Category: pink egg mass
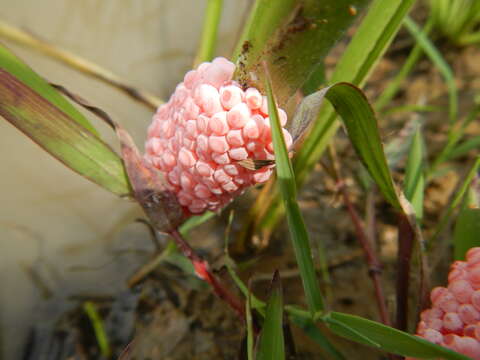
(454, 317)
(197, 139)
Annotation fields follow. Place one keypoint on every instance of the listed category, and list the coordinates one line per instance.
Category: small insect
(252, 164)
(305, 113)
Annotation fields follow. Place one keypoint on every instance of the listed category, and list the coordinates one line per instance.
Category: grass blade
(414, 178)
(464, 148)
(441, 64)
(312, 331)
(13, 65)
(211, 21)
(99, 329)
(271, 343)
(61, 136)
(250, 342)
(456, 201)
(298, 230)
(387, 338)
(394, 85)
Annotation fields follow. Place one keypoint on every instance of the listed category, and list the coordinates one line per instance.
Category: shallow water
(78, 237)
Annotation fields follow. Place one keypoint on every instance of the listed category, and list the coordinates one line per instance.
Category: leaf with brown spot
(60, 135)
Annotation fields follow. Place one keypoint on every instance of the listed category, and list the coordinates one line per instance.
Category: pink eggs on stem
(198, 137)
(453, 320)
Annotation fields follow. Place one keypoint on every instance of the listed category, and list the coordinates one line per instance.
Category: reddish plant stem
(406, 238)
(374, 266)
(202, 269)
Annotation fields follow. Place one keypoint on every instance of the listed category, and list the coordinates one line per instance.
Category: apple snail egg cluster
(208, 126)
(453, 320)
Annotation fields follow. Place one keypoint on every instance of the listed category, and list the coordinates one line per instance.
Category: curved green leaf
(361, 124)
(60, 135)
(383, 337)
(13, 65)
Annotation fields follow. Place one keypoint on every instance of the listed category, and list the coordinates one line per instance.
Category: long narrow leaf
(414, 177)
(13, 65)
(457, 200)
(271, 343)
(386, 338)
(439, 62)
(312, 331)
(298, 230)
(62, 137)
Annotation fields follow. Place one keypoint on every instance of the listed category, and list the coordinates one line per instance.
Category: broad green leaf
(13, 65)
(414, 178)
(271, 343)
(361, 124)
(296, 225)
(467, 228)
(293, 37)
(383, 337)
(62, 137)
(312, 331)
(367, 46)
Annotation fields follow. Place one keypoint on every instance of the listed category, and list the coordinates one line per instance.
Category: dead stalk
(78, 63)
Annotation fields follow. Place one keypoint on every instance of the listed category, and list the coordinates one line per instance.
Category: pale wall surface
(49, 216)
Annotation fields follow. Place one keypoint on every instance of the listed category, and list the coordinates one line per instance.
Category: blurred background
(55, 225)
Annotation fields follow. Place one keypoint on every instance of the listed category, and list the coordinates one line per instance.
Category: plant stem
(406, 238)
(76, 62)
(374, 265)
(202, 269)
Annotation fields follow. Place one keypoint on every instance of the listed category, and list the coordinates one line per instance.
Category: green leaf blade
(361, 124)
(13, 65)
(414, 174)
(271, 343)
(388, 339)
(62, 137)
(298, 230)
